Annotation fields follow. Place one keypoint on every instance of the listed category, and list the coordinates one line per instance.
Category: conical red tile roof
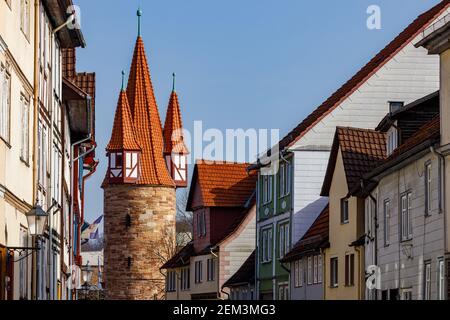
(173, 134)
(147, 121)
(123, 135)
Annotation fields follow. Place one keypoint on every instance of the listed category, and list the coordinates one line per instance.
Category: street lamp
(87, 274)
(36, 218)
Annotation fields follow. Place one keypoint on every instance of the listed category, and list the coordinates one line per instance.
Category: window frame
(350, 270)
(345, 211)
(5, 106)
(334, 272)
(387, 221)
(440, 278)
(406, 228)
(211, 270)
(427, 281)
(428, 188)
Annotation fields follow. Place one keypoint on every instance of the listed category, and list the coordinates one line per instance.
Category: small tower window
(129, 260)
(128, 220)
(394, 106)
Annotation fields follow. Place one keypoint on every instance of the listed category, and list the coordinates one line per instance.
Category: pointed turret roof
(173, 127)
(123, 135)
(146, 120)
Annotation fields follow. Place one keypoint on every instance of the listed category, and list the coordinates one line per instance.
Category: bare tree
(184, 218)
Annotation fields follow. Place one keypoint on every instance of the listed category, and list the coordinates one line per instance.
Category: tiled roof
(422, 139)
(147, 121)
(315, 238)
(123, 135)
(181, 258)
(362, 150)
(68, 62)
(245, 274)
(173, 135)
(222, 184)
(370, 68)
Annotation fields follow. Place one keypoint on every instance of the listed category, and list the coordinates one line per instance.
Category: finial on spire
(123, 80)
(139, 15)
(173, 81)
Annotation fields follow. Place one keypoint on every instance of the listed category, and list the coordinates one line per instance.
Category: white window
(266, 245)
(283, 291)
(56, 175)
(198, 271)
(392, 140)
(285, 179)
(267, 189)
(298, 273)
(211, 270)
(25, 17)
(310, 270)
(334, 272)
(5, 100)
(24, 129)
(387, 222)
(427, 279)
(344, 211)
(319, 268)
(171, 281)
(441, 279)
(201, 224)
(316, 269)
(43, 154)
(23, 266)
(185, 278)
(283, 241)
(406, 221)
(428, 194)
(407, 294)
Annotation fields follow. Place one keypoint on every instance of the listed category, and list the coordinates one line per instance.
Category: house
(306, 260)
(44, 113)
(404, 220)
(289, 199)
(354, 153)
(222, 199)
(435, 39)
(242, 283)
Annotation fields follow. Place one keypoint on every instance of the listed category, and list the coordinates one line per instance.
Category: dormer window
(394, 106)
(392, 140)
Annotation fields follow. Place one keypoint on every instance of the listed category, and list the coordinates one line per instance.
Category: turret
(175, 150)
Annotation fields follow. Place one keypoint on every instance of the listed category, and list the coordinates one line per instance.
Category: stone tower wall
(152, 211)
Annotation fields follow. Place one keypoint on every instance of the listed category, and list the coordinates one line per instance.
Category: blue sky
(239, 63)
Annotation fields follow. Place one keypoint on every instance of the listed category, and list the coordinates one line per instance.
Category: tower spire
(139, 15)
(173, 81)
(123, 80)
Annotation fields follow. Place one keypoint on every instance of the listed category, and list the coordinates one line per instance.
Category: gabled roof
(314, 239)
(245, 274)
(422, 139)
(173, 126)
(362, 150)
(181, 258)
(414, 29)
(123, 135)
(221, 184)
(147, 121)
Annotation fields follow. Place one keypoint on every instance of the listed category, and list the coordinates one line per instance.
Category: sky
(263, 64)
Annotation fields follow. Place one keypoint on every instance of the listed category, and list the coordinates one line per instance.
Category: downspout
(360, 295)
(35, 130)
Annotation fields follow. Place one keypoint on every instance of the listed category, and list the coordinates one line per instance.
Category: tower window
(128, 221)
(129, 260)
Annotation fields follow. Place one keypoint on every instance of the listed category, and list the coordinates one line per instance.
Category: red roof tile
(173, 134)
(417, 26)
(147, 121)
(222, 184)
(315, 238)
(362, 150)
(123, 135)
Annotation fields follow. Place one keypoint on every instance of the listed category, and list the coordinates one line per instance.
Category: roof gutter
(400, 161)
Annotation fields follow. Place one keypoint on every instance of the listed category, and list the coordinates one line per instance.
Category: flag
(91, 232)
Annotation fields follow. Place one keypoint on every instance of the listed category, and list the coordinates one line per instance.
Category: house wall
(15, 175)
(204, 287)
(235, 250)
(201, 242)
(244, 292)
(178, 294)
(221, 220)
(402, 263)
(309, 172)
(341, 236)
(306, 291)
(445, 131)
